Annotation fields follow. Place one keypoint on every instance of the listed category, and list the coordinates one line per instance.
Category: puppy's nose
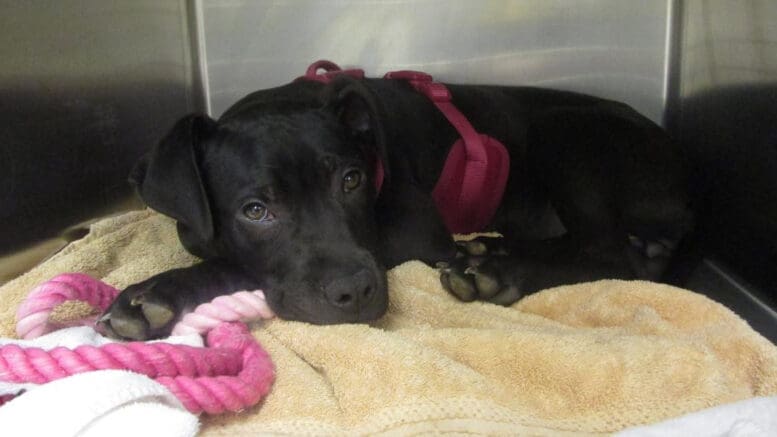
(350, 292)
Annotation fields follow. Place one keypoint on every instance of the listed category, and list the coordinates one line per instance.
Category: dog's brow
(269, 192)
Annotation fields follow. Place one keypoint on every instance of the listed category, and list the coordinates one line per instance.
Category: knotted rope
(232, 373)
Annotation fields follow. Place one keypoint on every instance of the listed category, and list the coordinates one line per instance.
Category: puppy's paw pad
(507, 296)
(123, 327)
(158, 314)
(140, 312)
(490, 279)
(487, 285)
(458, 284)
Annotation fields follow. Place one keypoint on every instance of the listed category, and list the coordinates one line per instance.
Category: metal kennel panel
(85, 87)
(723, 111)
(610, 48)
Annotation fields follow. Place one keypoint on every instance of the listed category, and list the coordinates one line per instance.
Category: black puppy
(280, 194)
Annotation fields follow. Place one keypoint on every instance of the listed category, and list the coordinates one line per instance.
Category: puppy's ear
(168, 180)
(353, 113)
(356, 108)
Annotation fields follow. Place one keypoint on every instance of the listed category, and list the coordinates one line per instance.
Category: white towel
(99, 403)
(755, 417)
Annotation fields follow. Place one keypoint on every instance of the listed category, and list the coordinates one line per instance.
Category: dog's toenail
(137, 300)
(462, 287)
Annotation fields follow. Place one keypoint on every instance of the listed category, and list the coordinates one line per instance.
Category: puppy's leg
(151, 308)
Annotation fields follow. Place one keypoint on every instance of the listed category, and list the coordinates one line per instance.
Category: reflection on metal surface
(610, 48)
(18, 261)
(716, 282)
(725, 119)
(728, 43)
(85, 87)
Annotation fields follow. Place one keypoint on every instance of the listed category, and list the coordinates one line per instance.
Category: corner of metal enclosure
(673, 66)
(200, 95)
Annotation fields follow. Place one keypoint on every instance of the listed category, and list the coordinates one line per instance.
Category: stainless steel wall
(610, 48)
(85, 87)
(727, 44)
(724, 112)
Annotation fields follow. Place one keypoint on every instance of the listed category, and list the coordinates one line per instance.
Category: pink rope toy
(231, 374)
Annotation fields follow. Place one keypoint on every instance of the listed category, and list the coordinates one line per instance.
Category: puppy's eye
(351, 180)
(255, 211)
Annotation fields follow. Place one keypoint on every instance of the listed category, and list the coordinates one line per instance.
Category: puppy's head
(286, 190)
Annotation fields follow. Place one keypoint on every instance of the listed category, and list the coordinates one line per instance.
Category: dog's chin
(317, 313)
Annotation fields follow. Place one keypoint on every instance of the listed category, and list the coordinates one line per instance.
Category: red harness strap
(475, 173)
(331, 70)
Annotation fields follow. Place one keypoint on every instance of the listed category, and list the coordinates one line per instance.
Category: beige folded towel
(584, 359)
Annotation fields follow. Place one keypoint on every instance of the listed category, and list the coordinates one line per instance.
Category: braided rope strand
(242, 305)
(19, 364)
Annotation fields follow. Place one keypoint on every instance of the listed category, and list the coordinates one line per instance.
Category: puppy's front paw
(480, 272)
(140, 312)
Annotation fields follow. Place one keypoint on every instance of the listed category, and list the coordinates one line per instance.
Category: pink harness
(474, 175)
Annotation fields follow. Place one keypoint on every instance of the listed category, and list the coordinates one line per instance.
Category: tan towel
(585, 359)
